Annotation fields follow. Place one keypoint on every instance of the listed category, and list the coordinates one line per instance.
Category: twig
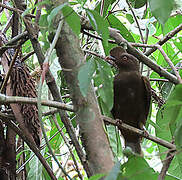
(166, 163)
(136, 20)
(31, 145)
(164, 39)
(155, 79)
(8, 24)
(101, 57)
(25, 100)
(170, 63)
(27, 56)
(69, 148)
(16, 10)
(9, 70)
(139, 132)
(12, 42)
(102, 8)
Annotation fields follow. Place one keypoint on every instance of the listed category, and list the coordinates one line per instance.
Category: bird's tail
(135, 146)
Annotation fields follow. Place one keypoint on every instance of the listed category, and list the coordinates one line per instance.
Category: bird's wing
(117, 94)
(147, 92)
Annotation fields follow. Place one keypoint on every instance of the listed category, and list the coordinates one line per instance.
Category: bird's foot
(118, 122)
(145, 133)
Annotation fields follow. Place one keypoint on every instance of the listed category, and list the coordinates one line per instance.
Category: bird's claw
(118, 122)
(145, 133)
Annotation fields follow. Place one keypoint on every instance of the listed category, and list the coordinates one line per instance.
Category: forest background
(62, 46)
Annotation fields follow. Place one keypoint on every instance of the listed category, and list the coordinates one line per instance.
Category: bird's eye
(125, 58)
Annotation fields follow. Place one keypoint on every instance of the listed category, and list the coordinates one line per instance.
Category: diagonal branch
(31, 145)
(140, 56)
(139, 132)
(165, 39)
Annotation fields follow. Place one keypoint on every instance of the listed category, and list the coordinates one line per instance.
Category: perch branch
(139, 132)
(161, 71)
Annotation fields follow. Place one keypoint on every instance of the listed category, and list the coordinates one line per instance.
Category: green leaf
(99, 24)
(139, 3)
(169, 119)
(178, 42)
(36, 168)
(96, 177)
(137, 168)
(161, 9)
(175, 167)
(116, 23)
(114, 139)
(105, 8)
(172, 23)
(106, 83)
(72, 19)
(85, 75)
(54, 12)
(113, 174)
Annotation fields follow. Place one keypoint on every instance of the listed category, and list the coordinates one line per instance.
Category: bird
(132, 96)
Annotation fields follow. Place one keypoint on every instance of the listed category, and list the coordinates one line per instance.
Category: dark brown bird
(131, 96)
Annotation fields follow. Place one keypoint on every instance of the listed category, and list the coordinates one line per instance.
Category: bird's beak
(111, 58)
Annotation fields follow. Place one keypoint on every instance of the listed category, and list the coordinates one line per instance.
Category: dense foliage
(145, 25)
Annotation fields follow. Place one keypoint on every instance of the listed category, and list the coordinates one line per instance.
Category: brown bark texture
(93, 136)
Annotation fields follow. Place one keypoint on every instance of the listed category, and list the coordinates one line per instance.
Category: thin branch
(25, 100)
(141, 57)
(16, 10)
(170, 63)
(166, 164)
(139, 132)
(9, 70)
(165, 39)
(155, 79)
(12, 42)
(31, 146)
(68, 146)
(136, 20)
(27, 56)
(101, 57)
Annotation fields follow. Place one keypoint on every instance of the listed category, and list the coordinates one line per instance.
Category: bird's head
(123, 60)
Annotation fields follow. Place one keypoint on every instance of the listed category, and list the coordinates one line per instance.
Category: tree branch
(140, 56)
(16, 10)
(166, 164)
(165, 39)
(139, 132)
(25, 100)
(31, 145)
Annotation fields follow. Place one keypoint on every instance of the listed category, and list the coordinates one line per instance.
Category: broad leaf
(105, 80)
(116, 23)
(85, 75)
(99, 24)
(54, 12)
(161, 9)
(169, 119)
(72, 19)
